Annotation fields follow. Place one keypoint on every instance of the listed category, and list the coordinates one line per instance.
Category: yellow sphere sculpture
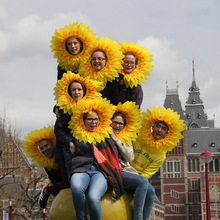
(62, 207)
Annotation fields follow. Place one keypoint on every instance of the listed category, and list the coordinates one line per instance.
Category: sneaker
(42, 201)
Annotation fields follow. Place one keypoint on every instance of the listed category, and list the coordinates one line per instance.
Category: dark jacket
(134, 94)
(111, 92)
(63, 136)
(83, 157)
(54, 175)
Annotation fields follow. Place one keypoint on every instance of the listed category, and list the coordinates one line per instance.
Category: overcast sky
(174, 31)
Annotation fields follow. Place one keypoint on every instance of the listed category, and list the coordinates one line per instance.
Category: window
(189, 165)
(216, 165)
(195, 144)
(195, 214)
(212, 144)
(197, 165)
(174, 194)
(194, 199)
(211, 166)
(193, 165)
(173, 169)
(194, 185)
(175, 209)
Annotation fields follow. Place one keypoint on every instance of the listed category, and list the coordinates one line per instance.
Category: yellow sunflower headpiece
(58, 44)
(113, 65)
(105, 111)
(64, 100)
(144, 66)
(171, 118)
(30, 147)
(133, 122)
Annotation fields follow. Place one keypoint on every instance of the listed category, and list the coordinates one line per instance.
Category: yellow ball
(62, 207)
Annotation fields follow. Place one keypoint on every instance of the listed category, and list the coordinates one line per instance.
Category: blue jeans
(144, 194)
(97, 186)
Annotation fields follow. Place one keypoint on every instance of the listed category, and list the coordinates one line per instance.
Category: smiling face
(76, 91)
(129, 63)
(117, 124)
(91, 121)
(98, 60)
(159, 130)
(73, 45)
(47, 148)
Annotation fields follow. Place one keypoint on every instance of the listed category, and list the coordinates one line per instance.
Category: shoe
(42, 201)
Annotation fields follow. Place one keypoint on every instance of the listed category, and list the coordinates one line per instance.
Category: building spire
(193, 69)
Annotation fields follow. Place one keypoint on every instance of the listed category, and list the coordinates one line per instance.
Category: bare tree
(24, 193)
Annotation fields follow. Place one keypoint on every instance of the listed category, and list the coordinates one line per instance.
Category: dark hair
(162, 123)
(77, 81)
(84, 115)
(98, 50)
(81, 48)
(136, 58)
(120, 114)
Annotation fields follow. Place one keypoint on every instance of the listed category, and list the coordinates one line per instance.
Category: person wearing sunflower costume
(69, 45)
(103, 62)
(136, 67)
(40, 146)
(160, 132)
(69, 92)
(126, 123)
(91, 161)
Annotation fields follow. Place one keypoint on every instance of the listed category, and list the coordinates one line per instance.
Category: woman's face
(92, 121)
(117, 124)
(129, 63)
(98, 60)
(73, 45)
(76, 91)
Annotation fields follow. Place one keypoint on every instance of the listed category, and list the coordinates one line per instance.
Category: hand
(113, 135)
(57, 113)
(72, 147)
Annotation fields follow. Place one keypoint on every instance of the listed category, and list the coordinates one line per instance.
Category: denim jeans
(144, 194)
(95, 182)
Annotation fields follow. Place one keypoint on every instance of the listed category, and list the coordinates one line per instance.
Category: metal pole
(44, 214)
(10, 210)
(208, 214)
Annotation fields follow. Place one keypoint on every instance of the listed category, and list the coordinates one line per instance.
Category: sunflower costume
(65, 101)
(58, 44)
(30, 147)
(105, 111)
(133, 122)
(150, 153)
(113, 65)
(144, 67)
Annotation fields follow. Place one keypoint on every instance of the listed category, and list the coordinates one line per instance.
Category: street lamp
(206, 157)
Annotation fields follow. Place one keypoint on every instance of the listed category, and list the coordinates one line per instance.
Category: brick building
(19, 181)
(181, 178)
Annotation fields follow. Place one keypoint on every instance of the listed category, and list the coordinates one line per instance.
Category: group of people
(99, 128)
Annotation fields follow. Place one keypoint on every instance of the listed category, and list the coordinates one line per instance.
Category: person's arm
(136, 95)
(62, 131)
(126, 152)
(111, 92)
(152, 168)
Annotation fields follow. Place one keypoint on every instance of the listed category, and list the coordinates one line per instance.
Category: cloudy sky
(174, 32)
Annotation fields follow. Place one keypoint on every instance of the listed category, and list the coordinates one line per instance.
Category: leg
(79, 183)
(97, 188)
(139, 185)
(149, 203)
